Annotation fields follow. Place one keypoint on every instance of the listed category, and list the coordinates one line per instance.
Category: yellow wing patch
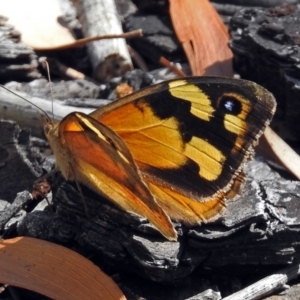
(211, 157)
(201, 107)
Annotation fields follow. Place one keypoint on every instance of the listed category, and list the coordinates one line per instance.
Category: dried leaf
(54, 271)
(204, 37)
(37, 22)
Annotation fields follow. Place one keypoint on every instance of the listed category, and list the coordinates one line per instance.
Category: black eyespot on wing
(230, 105)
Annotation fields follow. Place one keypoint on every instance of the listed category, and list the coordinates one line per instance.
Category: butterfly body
(180, 143)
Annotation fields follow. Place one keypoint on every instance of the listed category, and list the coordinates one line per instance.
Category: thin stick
(81, 42)
(267, 285)
(163, 61)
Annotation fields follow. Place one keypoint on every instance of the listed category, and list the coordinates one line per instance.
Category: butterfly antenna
(40, 109)
(44, 61)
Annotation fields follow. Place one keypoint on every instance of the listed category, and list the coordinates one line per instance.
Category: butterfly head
(50, 126)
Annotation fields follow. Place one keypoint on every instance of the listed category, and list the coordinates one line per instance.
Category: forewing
(102, 161)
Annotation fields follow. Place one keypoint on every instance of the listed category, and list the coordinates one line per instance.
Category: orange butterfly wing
(91, 153)
(190, 138)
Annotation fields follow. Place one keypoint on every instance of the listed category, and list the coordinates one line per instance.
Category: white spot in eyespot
(229, 105)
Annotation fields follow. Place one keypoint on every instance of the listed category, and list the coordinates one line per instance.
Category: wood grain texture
(109, 58)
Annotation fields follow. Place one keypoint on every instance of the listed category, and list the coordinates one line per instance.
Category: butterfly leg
(42, 187)
(79, 190)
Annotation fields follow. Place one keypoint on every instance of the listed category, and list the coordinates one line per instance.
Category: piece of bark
(61, 90)
(158, 38)
(125, 8)
(265, 43)
(19, 165)
(263, 3)
(24, 67)
(12, 210)
(229, 8)
(109, 58)
(18, 62)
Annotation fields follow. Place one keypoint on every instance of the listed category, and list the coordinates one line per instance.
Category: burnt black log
(17, 61)
(19, 163)
(260, 227)
(265, 43)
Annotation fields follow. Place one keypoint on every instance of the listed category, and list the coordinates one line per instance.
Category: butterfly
(174, 150)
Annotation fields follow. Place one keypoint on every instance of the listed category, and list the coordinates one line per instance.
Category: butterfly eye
(47, 127)
(230, 105)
